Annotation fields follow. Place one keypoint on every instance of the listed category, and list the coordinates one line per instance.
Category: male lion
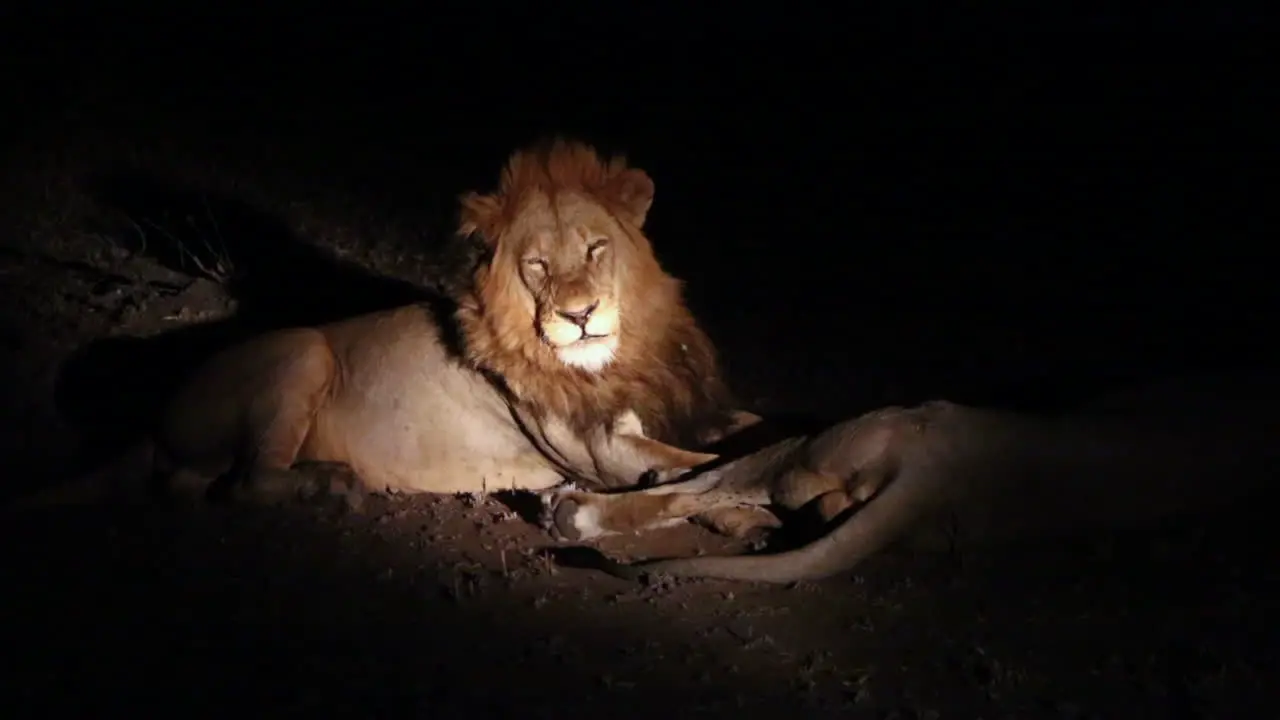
(566, 352)
(947, 475)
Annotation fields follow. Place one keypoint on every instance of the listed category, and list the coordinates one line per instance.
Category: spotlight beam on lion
(574, 357)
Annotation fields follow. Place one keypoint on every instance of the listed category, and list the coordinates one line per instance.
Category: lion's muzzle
(584, 334)
(578, 316)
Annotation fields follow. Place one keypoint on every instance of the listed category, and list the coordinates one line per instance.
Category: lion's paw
(330, 484)
(549, 499)
(576, 516)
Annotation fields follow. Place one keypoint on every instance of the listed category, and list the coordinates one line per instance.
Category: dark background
(981, 206)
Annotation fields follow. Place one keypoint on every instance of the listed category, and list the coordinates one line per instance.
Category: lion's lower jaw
(592, 356)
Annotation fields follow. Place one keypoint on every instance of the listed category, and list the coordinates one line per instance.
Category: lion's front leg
(576, 515)
(609, 457)
(626, 457)
(634, 460)
(730, 497)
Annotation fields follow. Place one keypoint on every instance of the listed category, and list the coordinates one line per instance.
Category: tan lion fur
(387, 398)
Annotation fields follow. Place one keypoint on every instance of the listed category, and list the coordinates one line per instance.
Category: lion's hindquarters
(253, 403)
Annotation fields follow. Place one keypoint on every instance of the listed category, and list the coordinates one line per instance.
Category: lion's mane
(666, 368)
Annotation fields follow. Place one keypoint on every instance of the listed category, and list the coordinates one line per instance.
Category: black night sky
(1050, 201)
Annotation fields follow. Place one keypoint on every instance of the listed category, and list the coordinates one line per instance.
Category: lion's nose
(580, 316)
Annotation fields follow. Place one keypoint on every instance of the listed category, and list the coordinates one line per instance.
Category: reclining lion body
(378, 393)
(946, 475)
(565, 352)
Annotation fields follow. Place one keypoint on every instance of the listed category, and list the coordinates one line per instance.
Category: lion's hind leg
(317, 483)
(279, 420)
(314, 482)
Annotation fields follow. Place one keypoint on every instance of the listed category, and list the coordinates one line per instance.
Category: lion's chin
(590, 354)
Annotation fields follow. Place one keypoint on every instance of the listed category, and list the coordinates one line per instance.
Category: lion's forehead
(568, 236)
(572, 219)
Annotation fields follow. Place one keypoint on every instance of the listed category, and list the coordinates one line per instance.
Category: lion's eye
(536, 264)
(597, 247)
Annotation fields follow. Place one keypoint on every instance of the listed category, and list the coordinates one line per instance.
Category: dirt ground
(445, 607)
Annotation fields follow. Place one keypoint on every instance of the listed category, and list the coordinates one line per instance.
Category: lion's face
(561, 281)
(567, 266)
(565, 234)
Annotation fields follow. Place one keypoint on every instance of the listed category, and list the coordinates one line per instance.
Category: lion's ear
(480, 214)
(632, 192)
